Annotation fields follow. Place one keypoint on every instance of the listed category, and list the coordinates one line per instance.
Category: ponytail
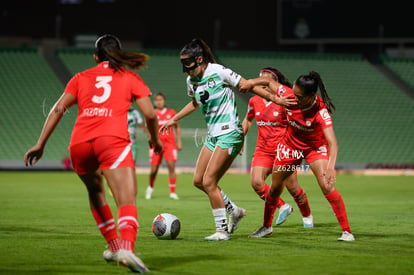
(310, 84)
(108, 48)
(197, 47)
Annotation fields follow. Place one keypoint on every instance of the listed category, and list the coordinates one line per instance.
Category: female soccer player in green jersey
(211, 87)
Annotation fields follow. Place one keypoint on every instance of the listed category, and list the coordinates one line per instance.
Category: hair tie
(271, 72)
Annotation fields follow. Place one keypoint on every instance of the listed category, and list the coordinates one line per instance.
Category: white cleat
(129, 259)
(109, 256)
(148, 192)
(235, 217)
(347, 237)
(284, 211)
(308, 221)
(174, 196)
(262, 232)
(218, 236)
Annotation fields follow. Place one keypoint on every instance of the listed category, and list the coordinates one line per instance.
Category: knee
(209, 184)
(257, 184)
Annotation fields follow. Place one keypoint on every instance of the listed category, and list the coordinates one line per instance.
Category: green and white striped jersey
(214, 93)
(134, 119)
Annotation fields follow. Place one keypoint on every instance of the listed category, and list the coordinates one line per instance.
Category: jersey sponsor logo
(267, 123)
(225, 127)
(284, 152)
(204, 95)
(298, 126)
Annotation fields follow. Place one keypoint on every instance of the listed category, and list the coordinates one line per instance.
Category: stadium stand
(373, 122)
(28, 89)
(403, 67)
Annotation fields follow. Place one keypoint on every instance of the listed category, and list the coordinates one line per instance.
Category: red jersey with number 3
(306, 126)
(104, 97)
(163, 116)
(271, 122)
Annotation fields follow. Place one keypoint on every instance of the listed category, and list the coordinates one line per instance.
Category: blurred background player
(134, 120)
(100, 142)
(309, 136)
(171, 143)
(271, 124)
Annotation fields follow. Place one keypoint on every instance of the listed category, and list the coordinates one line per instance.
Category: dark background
(171, 24)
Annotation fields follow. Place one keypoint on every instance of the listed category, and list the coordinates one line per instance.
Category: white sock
(220, 219)
(230, 205)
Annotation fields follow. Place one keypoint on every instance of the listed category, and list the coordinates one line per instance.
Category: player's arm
(247, 123)
(185, 111)
(329, 173)
(178, 136)
(52, 120)
(266, 89)
(145, 105)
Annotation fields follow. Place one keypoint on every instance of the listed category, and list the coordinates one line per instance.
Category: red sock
(302, 201)
(106, 224)
(269, 211)
(172, 184)
(280, 202)
(338, 206)
(128, 226)
(151, 182)
(262, 193)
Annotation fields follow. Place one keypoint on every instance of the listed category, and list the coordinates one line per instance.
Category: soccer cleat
(284, 211)
(235, 217)
(129, 259)
(173, 196)
(148, 192)
(308, 221)
(262, 232)
(218, 236)
(109, 256)
(347, 237)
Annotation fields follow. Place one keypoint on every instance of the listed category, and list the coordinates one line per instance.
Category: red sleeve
(250, 109)
(324, 118)
(139, 88)
(73, 86)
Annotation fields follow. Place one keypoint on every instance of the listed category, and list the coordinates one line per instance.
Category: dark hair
(278, 76)
(197, 47)
(108, 48)
(160, 94)
(310, 83)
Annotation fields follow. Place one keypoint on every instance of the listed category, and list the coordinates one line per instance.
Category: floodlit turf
(46, 227)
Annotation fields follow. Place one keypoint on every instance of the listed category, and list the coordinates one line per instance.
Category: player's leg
(219, 163)
(172, 179)
(155, 161)
(334, 198)
(87, 167)
(258, 175)
(300, 198)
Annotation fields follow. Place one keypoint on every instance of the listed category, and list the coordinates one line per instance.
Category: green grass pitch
(46, 228)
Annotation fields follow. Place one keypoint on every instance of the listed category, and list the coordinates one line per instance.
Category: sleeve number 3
(103, 82)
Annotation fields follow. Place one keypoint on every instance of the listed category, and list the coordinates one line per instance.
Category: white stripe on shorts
(121, 157)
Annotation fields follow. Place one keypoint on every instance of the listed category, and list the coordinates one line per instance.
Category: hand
(330, 176)
(165, 129)
(33, 155)
(285, 101)
(156, 146)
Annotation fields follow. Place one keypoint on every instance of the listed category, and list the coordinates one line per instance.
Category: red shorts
(169, 152)
(107, 152)
(289, 156)
(263, 158)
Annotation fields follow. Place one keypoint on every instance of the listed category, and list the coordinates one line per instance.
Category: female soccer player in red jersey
(100, 142)
(170, 147)
(271, 123)
(309, 136)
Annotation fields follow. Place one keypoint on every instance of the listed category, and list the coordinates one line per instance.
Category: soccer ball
(166, 226)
